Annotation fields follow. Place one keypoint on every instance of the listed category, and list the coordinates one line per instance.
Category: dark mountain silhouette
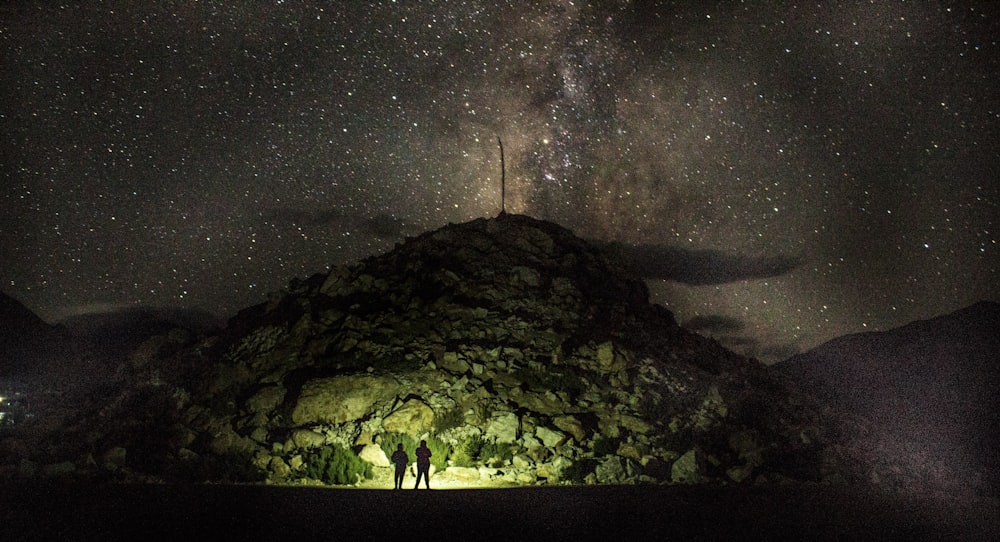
(930, 387)
(84, 349)
(113, 335)
(25, 339)
(127, 324)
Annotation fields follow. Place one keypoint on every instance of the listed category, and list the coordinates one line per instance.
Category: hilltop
(524, 354)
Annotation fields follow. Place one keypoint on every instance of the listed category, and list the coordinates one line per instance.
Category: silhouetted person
(423, 464)
(401, 460)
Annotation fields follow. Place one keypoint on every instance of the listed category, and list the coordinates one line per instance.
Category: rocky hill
(929, 390)
(523, 355)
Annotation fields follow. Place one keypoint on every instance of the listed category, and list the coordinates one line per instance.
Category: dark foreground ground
(202, 512)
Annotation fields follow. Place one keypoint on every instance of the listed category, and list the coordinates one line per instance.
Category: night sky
(790, 172)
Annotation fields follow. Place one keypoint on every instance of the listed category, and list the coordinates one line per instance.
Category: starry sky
(782, 172)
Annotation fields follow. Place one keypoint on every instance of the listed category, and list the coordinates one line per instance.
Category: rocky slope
(929, 390)
(523, 353)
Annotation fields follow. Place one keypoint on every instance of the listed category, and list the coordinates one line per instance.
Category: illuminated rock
(503, 427)
(610, 471)
(462, 474)
(546, 403)
(303, 439)
(341, 399)
(553, 470)
(451, 361)
(266, 399)
(549, 437)
(686, 470)
(373, 453)
(278, 468)
(572, 426)
(412, 417)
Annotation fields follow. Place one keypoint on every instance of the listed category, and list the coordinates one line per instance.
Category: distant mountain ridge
(142, 321)
(72, 349)
(24, 337)
(933, 383)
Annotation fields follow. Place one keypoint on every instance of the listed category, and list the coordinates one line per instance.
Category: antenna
(503, 181)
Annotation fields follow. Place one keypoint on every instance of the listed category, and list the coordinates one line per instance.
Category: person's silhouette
(423, 464)
(401, 460)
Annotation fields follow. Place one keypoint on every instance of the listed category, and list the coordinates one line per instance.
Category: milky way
(789, 173)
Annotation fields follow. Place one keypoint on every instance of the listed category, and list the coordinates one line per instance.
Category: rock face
(529, 355)
(929, 391)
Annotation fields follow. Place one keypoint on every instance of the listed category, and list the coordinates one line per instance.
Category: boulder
(550, 437)
(525, 478)
(265, 400)
(529, 441)
(686, 469)
(539, 453)
(341, 399)
(712, 409)
(374, 454)
(610, 471)
(634, 424)
(503, 427)
(413, 417)
(303, 439)
(522, 461)
(278, 468)
(609, 359)
(259, 435)
(227, 441)
(547, 403)
(739, 473)
(553, 470)
(462, 474)
(629, 450)
(450, 361)
(572, 426)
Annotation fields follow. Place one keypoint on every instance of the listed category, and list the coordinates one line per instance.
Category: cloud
(700, 267)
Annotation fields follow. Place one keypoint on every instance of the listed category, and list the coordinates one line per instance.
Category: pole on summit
(503, 181)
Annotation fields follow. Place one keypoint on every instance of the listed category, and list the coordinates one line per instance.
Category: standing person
(423, 464)
(401, 460)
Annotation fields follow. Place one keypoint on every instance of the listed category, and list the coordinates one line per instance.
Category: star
(179, 155)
